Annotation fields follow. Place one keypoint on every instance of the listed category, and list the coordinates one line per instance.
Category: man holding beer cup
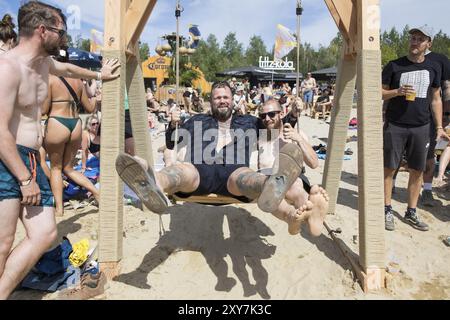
(410, 85)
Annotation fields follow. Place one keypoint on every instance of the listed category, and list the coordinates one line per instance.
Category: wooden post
(340, 115)
(112, 142)
(138, 108)
(370, 146)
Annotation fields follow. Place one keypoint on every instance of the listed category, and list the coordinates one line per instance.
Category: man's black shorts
(413, 141)
(214, 179)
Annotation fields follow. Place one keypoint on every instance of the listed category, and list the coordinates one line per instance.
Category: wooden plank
(340, 116)
(136, 17)
(370, 144)
(112, 138)
(344, 14)
(209, 199)
(138, 108)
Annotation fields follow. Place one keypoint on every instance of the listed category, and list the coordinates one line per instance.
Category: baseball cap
(425, 29)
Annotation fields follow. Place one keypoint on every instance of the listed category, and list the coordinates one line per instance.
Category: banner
(284, 42)
(96, 41)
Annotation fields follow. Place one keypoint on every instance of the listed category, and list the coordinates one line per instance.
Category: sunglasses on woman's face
(94, 124)
(271, 114)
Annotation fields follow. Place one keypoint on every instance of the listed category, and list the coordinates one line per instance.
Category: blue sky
(249, 17)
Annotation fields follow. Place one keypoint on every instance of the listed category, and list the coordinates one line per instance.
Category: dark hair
(7, 29)
(220, 84)
(35, 13)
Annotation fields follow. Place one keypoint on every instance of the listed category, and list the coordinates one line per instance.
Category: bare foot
(295, 220)
(319, 198)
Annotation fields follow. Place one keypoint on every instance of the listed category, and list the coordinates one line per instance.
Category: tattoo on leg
(174, 176)
(251, 184)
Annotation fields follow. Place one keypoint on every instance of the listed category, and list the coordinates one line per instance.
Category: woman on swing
(63, 133)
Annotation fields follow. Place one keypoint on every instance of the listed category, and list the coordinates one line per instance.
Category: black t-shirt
(424, 76)
(443, 62)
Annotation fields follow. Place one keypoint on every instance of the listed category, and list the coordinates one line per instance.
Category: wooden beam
(138, 108)
(370, 145)
(344, 13)
(112, 141)
(136, 17)
(340, 115)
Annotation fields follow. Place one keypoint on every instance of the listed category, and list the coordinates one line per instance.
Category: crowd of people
(40, 83)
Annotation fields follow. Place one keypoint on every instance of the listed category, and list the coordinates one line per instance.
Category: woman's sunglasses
(271, 114)
(94, 124)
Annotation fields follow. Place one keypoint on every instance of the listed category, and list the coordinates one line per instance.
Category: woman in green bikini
(63, 134)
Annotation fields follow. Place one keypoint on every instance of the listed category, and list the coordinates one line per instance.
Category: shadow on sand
(200, 228)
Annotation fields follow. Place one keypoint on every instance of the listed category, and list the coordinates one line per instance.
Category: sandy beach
(240, 252)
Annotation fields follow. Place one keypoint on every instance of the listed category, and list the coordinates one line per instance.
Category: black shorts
(214, 179)
(128, 129)
(413, 141)
(433, 136)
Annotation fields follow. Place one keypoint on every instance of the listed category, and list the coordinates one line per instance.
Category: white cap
(425, 29)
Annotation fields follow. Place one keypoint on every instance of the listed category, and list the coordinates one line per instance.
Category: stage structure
(359, 23)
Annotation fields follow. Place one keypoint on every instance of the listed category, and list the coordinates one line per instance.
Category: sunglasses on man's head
(271, 114)
(60, 32)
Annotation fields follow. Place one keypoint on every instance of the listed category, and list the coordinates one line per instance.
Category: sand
(240, 252)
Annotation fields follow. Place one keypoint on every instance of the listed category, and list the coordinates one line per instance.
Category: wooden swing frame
(359, 23)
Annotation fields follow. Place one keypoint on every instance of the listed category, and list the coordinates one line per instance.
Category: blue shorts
(9, 187)
(308, 96)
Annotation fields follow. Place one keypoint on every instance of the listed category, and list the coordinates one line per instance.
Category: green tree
(69, 41)
(441, 43)
(82, 44)
(232, 51)
(208, 58)
(144, 51)
(255, 49)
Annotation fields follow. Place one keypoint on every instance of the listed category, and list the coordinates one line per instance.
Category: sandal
(142, 182)
(277, 185)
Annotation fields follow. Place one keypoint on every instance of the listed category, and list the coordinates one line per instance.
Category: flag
(96, 41)
(194, 36)
(284, 42)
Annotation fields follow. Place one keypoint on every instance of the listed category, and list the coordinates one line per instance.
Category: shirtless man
(299, 205)
(307, 88)
(24, 190)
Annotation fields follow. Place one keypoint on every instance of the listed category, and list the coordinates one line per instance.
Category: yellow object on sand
(79, 253)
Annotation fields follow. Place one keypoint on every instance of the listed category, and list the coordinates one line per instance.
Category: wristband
(99, 76)
(438, 128)
(26, 182)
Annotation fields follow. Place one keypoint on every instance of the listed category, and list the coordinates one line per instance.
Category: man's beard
(51, 49)
(221, 115)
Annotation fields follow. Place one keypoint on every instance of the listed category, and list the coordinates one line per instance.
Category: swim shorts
(9, 186)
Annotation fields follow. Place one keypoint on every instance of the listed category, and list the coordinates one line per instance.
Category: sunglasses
(271, 114)
(94, 123)
(60, 32)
